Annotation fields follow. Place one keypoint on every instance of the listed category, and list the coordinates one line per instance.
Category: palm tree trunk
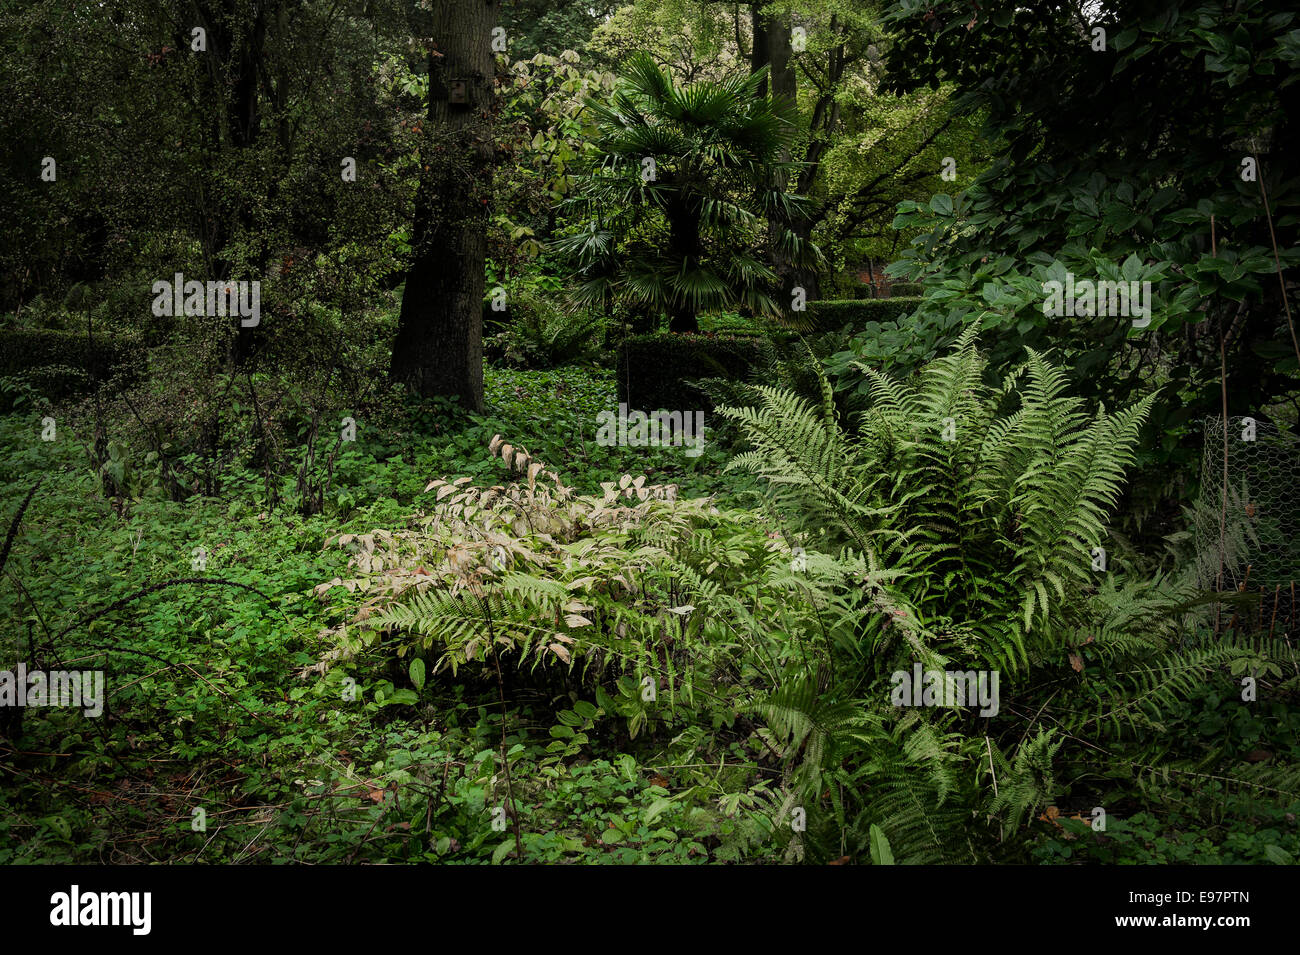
(684, 237)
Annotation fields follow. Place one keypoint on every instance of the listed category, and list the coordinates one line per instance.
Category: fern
(966, 515)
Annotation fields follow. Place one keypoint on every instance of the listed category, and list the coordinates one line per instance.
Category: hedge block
(653, 370)
(905, 290)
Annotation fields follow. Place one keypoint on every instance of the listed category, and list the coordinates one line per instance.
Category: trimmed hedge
(653, 370)
(60, 363)
(834, 314)
(905, 290)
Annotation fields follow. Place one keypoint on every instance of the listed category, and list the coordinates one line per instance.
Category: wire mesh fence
(1248, 517)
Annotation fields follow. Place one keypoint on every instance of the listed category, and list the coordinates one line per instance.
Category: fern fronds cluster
(976, 513)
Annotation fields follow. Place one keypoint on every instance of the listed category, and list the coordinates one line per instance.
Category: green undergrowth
(209, 715)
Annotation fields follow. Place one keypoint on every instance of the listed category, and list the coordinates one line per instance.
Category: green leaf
(1278, 855)
(60, 825)
(417, 673)
(942, 204)
(501, 851)
(881, 853)
(656, 810)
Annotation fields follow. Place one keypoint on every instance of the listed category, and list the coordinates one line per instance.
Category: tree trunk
(684, 241)
(772, 48)
(439, 345)
(683, 320)
(236, 56)
(759, 56)
(779, 53)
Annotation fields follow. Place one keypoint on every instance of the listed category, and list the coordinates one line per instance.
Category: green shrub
(977, 508)
(731, 323)
(905, 290)
(656, 371)
(58, 363)
(536, 331)
(834, 314)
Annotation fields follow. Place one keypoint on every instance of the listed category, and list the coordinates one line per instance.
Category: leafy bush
(62, 363)
(974, 511)
(1100, 203)
(733, 323)
(1261, 834)
(905, 290)
(542, 333)
(622, 592)
(860, 314)
(689, 623)
(912, 549)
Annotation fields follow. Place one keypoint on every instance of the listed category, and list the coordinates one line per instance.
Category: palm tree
(680, 199)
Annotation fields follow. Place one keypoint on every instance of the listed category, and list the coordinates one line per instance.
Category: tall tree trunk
(772, 48)
(779, 53)
(236, 54)
(439, 345)
(759, 56)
